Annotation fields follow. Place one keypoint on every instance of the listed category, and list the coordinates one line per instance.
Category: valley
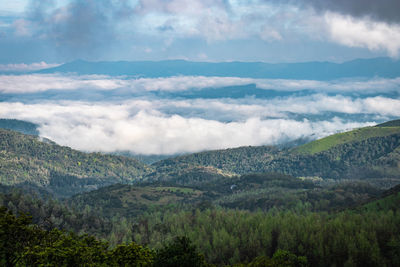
(260, 191)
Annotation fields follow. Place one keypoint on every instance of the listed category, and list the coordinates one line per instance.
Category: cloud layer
(22, 67)
(33, 83)
(153, 116)
(125, 126)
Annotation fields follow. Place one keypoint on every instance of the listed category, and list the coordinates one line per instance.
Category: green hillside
(248, 192)
(132, 201)
(389, 201)
(26, 159)
(239, 206)
(394, 123)
(356, 135)
(230, 161)
(370, 152)
(375, 157)
(19, 126)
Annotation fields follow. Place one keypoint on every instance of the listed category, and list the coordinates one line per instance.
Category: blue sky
(201, 30)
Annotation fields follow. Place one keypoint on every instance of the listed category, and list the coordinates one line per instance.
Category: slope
(231, 161)
(370, 152)
(389, 201)
(360, 134)
(132, 201)
(19, 126)
(26, 159)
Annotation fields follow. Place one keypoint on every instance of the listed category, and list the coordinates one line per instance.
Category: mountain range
(376, 67)
(366, 153)
(233, 203)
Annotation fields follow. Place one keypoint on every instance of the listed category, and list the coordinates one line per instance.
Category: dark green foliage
(23, 244)
(49, 213)
(390, 201)
(285, 258)
(352, 160)
(361, 237)
(179, 253)
(281, 258)
(252, 219)
(356, 135)
(374, 157)
(131, 255)
(61, 170)
(230, 237)
(62, 249)
(15, 235)
(394, 123)
(132, 201)
(235, 160)
(251, 192)
(67, 249)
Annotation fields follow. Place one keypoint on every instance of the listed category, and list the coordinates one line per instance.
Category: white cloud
(152, 125)
(241, 109)
(141, 126)
(355, 32)
(269, 34)
(213, 20)
(178, 6)
(19, 84)
(21, 67)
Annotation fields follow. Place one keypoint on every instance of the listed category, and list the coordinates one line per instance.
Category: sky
(57, 31)
(174, 115)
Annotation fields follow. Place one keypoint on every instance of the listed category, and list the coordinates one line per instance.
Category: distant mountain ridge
(375, 67)
(24, 127)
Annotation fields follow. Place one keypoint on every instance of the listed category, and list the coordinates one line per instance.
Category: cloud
(33, 83)
(366, 33)
(169, 29)
(315, 104)
(21, 27)
(109, 127)
(22, 67)
(267, 34)
(79, 27)
(213, 21)
(179, 6)
(383, 10)
(19, 84)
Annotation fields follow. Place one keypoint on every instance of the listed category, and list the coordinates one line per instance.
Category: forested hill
(235, 220)
(370, 152)
(62, 170)
(357, 135)
(394, 123)
(19, 126)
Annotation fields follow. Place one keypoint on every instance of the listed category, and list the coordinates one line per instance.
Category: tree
(61, 249)
(131, 255)
(15, 234)
(180, 252)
